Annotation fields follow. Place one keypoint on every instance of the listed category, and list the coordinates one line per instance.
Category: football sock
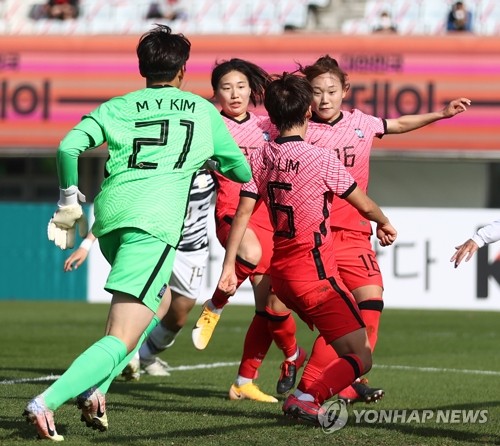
(282, 327)
(104, 385)
(243, 269)
(212, 307)
(256, 345)
(159, 340)
(371, 310)
(305, 397)
(92, 366)
(338, 375)
(322, 354)
(241, 380)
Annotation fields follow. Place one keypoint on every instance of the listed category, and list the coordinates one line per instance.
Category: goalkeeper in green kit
(158, 137)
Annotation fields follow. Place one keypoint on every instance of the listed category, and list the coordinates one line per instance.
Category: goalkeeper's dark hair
(325, 64)
(258, 78)
(287, 100)
(162, 54)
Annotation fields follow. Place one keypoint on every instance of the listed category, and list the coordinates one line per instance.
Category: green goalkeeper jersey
(157, 140)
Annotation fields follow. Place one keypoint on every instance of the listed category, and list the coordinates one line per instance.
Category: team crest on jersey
(266, 136)
(359, 132)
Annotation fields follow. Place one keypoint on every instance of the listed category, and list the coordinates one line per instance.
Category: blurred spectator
(459, 18)
(168, 9)
(385, 24)
(62, 9)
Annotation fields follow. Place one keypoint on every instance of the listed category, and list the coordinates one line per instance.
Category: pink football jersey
(249, 134)
(351, 138)
(297, 182)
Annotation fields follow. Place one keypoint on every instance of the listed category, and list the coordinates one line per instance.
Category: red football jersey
(351, 138)
(297, 182)
(249, 134)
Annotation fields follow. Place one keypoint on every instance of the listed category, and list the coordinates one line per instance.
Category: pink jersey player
(350, 135)
(235, 83)
(351, 139)
(249, 133)
(297, 182)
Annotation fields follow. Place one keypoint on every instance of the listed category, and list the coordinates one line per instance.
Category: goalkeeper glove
(62, 225)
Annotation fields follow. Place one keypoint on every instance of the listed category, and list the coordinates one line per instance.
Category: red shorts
(265, 236)
(356, 259)
(324, 304)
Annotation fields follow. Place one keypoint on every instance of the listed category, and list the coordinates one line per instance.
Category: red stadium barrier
(48, 82)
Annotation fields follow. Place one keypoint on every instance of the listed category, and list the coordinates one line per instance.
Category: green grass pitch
(425, 360)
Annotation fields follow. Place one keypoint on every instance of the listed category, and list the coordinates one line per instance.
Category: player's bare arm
(79, 255)
(407, 123)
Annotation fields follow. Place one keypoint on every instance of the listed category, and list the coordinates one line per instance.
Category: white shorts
(188, 272)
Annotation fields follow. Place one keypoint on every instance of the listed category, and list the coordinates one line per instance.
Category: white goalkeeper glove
(62, 225)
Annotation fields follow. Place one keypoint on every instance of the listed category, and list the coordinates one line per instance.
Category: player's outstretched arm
(79, 255)
(228, 280)
(407, 123)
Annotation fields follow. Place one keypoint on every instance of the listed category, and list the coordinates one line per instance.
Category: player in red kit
(350, 135)
(236, 83)
(297, 182)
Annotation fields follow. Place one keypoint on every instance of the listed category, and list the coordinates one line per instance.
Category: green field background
(424, 360)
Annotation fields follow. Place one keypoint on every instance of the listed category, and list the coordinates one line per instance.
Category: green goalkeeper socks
(93, 366)
(104, 385)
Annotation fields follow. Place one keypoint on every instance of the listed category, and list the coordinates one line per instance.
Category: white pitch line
(30, 380)
(215, 365)
(436, 369)
(175, 369)
(231, 364)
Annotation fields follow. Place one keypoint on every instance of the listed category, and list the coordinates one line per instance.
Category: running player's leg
(132, 369)
(359, 270)
(327, 305)
(185, 284)
(133, 307)
(322, 354)
(258, 339)
(164, 335)
(282, 327)
(281, 323)
(249, 256)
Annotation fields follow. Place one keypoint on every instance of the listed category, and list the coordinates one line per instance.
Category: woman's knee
(250, 249)
(366, 359)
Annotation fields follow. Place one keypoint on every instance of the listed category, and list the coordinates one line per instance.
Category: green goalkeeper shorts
(140, 264)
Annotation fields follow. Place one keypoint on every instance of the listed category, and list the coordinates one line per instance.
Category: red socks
(243, 271)
(257, 343)
(322, 354)
(336, 377)
(371, 310)
(282, 328)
